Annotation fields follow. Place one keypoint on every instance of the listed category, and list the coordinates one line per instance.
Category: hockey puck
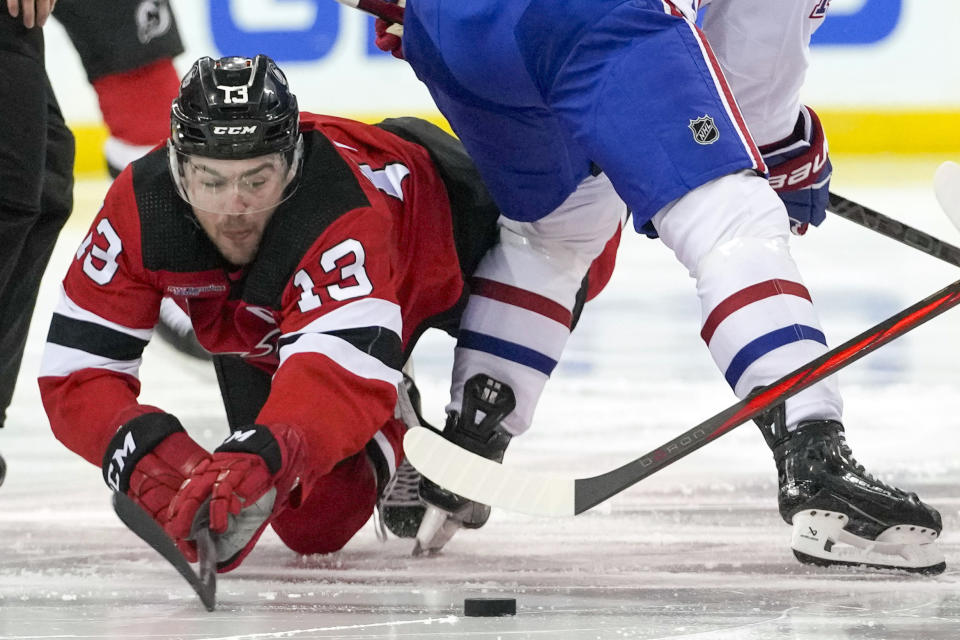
(489, 607)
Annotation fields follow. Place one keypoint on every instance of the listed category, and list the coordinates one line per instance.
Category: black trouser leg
(36, 192)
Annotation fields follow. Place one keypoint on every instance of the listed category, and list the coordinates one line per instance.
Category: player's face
(236, 187)
(235, 199)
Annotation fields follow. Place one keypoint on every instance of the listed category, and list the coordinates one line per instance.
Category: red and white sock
(136, 109)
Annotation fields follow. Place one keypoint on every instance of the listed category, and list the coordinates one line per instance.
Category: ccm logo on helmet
(235, 131)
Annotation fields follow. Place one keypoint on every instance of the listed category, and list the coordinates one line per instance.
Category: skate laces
(404, 487)
(846, 456)
(403, 490)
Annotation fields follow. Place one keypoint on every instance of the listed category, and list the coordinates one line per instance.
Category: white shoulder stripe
(62, 361)
(389, 179)
(69, 308)
(366, 312)
(344, 354)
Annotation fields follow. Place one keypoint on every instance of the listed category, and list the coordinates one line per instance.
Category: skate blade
(819, 538)
(436, 529)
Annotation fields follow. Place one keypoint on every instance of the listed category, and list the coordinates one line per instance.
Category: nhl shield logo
(704, 130)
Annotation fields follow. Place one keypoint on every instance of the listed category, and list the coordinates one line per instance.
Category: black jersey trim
(94, 338)
(378, 342)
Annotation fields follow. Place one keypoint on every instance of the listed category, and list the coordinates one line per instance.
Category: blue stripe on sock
(506, 350)
(763, 345)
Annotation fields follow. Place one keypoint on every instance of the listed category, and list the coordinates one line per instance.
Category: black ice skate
(842, 515)
(486, 402)
(401, 510)
(399, 507)
(3, 469)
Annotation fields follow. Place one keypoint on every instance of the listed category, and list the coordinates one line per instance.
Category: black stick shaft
(887, 226)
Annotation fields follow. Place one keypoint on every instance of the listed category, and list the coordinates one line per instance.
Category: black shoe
(478, 429)
(3, 470)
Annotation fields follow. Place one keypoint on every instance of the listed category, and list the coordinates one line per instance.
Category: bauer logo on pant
(704, 130)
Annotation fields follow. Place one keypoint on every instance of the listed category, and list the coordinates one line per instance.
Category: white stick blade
(485, 481)
(946, 184)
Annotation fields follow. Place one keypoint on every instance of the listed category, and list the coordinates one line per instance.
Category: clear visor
(234, 187)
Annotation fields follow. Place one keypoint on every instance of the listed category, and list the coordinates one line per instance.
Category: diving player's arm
(89, 376)
(107, 307)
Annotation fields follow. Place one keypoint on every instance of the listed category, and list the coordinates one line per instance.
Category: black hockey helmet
(233, 108)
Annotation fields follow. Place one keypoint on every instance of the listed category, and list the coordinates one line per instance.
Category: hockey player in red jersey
(310, 253)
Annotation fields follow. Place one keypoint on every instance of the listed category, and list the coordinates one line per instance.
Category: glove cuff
(256, 439)
(132, 441)
(799, 161)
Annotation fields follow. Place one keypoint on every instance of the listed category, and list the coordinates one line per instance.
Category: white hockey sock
(120, 153)
(758, 319)
(518, 318)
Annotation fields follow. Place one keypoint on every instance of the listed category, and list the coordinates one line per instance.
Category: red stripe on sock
(751, 294)
(521, 298)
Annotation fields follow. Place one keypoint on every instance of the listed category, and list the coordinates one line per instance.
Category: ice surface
(696, 551)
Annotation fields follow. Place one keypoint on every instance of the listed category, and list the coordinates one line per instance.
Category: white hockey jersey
(763, 47)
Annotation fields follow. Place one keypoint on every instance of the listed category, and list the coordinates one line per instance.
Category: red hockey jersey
(348, 269)
(369, 252)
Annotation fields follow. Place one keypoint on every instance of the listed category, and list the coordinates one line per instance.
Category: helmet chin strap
(296, 164)
(176, 171)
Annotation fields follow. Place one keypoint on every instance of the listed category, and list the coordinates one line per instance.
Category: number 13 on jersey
(353, 282)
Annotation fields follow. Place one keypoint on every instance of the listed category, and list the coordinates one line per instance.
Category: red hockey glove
(250, 479)
(800, 172)
(149, 458)
(390, 34)
(389, 37)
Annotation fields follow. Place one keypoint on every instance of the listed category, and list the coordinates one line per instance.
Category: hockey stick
(140, 522)
(946, 184)
(548, 494)
(380, 8)
(905, 234)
